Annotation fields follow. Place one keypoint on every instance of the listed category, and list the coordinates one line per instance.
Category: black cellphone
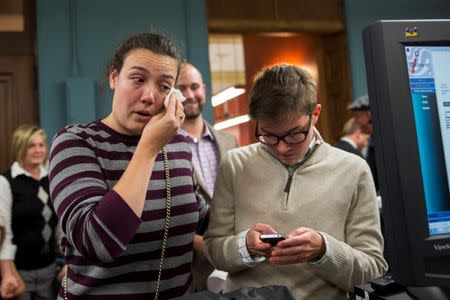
(272, 238)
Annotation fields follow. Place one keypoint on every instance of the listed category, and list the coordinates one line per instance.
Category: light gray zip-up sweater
(331, 192)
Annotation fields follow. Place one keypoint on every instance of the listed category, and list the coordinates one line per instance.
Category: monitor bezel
(397, 152)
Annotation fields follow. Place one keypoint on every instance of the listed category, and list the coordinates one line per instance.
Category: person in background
(208, 147)
(353, 140)
(123, 186)
(30, 219)
(360, 109)
(292, 182)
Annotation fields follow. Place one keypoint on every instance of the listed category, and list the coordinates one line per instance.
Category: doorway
(307, 33)
(18, 95)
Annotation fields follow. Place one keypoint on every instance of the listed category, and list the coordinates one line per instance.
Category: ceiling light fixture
(232, 122)
(226, 95)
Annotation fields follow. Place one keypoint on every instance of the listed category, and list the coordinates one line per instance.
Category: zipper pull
(288, 184)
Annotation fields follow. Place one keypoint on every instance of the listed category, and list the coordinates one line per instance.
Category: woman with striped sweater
(123, 187)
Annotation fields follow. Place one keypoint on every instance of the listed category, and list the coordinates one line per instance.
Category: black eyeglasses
(290, 138)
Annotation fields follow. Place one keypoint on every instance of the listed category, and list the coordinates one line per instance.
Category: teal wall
(360, 13)
(67, 97)
(75, 91)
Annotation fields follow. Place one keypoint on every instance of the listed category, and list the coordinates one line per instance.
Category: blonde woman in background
(30, 219)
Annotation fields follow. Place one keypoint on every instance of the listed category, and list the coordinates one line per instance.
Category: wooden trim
(307, 16)
(21, 43)
(244, 26)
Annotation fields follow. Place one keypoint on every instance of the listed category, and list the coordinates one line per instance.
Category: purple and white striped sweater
(112, 253)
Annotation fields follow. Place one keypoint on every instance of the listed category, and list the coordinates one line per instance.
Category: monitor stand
(429, 293)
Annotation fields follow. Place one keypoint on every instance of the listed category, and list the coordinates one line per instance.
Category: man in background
(361, 112)
(208, 147)
(353, 140)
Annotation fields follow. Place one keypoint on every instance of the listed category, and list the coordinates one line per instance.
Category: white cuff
(242, 247)
(8, 252)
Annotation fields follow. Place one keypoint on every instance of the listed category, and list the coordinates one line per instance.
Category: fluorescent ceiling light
(226, 95)
(232, 122)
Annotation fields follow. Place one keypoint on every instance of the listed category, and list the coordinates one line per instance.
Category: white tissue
(177, 94)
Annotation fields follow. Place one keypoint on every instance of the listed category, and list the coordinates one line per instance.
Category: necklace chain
(65, 281)
(166, 221)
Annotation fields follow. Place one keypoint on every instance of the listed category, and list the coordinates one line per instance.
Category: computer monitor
(408, 76)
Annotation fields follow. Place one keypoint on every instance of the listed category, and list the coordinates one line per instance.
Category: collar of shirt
(311, 147)
(17, 170)
(350, 141)
(315, 141)
(206, 134)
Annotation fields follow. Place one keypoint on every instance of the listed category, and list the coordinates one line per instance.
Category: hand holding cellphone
(178, 95)
(272, 238)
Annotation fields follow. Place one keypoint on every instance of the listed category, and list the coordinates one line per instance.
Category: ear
(316, 113)
(113, 75)
(357, 134)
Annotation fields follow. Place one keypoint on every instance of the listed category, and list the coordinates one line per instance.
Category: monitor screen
(429, 81)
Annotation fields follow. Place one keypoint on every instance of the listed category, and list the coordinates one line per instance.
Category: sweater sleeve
(7, 249)
(92, 216)
(359, 259)
(220, 237)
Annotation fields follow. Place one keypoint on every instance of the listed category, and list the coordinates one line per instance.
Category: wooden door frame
(18, 80)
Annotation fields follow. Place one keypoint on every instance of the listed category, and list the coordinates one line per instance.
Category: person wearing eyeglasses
(292, 182)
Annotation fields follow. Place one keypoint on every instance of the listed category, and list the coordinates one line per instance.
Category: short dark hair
(156, 42)
(282, 90)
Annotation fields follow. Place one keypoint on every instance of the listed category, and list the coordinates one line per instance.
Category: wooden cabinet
(315, 16)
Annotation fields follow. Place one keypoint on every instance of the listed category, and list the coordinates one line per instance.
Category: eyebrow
(163, 76)
(138, 68)
(190, 85)
(290, 131)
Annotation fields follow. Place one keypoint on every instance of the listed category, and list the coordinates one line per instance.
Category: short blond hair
(350, 127)
(21, 138)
